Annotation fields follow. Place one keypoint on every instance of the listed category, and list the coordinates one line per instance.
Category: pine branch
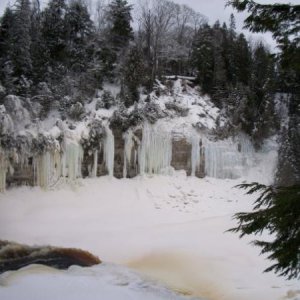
(277, 210)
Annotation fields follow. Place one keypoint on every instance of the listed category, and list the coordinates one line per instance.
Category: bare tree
(100, 15)
(166, 31)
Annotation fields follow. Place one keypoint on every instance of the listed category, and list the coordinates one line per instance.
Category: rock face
(181, 155)
(14, 256)
(146, 149)
(119, 154)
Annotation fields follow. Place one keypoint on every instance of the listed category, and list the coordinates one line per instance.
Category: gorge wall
(144, 150)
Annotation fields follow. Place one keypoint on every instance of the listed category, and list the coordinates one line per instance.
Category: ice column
(47, 168)
(226, 158)
(156, 150)
(128, 144)
(95, 164)
(72, 160)
(195, 155)
(3, 170)
(109, 150)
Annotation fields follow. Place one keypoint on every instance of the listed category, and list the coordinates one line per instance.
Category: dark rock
(14, 256)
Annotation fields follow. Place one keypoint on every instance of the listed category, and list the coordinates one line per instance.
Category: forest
(58, 57)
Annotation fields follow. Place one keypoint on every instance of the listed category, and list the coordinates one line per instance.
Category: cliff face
(174, 131)
(146, 150)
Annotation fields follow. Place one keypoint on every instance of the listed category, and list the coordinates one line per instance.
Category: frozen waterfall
(72, 160)
(195, 155)
(47, 168)
(228, 158)
(155, 151)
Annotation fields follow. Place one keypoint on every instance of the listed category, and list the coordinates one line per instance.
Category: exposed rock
(119, 153)
(181, 155)
(14, 256)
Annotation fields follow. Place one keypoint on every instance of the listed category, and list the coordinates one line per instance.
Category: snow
(170, 229)
(105, 281)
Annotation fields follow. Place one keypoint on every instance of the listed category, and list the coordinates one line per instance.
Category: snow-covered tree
(119, 16)
(79, 28)
(21, 38)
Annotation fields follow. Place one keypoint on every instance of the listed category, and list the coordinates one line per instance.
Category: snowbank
(171, 228)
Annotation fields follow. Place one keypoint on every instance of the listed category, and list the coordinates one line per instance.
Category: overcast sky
(212, 9)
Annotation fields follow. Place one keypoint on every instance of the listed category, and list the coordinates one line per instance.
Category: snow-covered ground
(169, 228)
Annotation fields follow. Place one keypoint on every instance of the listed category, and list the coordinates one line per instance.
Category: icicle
(128, 144)
(71, 160)
(95, 164)
(155, 151)
(73, 157)
(47, 168)
(42, 168)
(228, 159)
(3, 170)
(195, 158)
(109, 150)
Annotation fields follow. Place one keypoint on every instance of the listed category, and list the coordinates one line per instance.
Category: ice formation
(195, 154)
(47, 169)
(109, 150)
(6, 122)
(18, 112)
(3, 170)
(128, 144)
(156, 150)
(227, 158)
(95, 164)
(56, 163)
(72, 160)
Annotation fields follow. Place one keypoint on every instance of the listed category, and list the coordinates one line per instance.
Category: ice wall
(47, 168)
(155, 151)
(145, 151)
(51, 165)
(72, 160)
(228, 158)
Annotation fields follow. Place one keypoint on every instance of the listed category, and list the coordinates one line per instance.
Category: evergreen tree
(6, 25)
(37, 49)
(203, 58)
(276, 210)
(6, 45)
(133, 72)
(54, 32)
(79, 28)
(242, 60)
(119, 15)
(220, 80)
(21, 55)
